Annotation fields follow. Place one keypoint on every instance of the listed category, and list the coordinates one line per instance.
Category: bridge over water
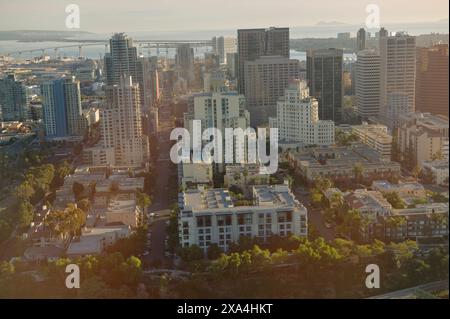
(80, 44)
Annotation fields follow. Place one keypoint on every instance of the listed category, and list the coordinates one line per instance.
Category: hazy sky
(159, 15)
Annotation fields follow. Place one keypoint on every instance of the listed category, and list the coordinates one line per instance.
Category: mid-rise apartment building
(423, 137)
(375, 136)
(209, 216)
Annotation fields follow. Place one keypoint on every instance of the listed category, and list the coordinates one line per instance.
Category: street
(160, 206)
(315, 216)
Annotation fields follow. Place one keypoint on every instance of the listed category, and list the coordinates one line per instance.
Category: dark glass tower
(324, 75)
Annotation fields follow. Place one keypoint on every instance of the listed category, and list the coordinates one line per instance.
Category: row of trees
(107, 276)
(314, 268)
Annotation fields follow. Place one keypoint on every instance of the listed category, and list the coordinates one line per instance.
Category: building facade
(266, 78)
(14, 101)
(255, 43)
(423, 137)
(121, 124)
(432, 79)
(397, 71)
(61, 104)
(298, 118)
(324, 75)
(375, 136)
(209, 217)
(367, 84)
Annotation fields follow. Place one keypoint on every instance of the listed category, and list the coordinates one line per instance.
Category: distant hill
(330, 23)
(39, 35)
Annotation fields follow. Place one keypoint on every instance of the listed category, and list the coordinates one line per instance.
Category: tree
(25, 213)
(143, 201)
(191, 253)
(322, 184)
(131, 270)
(78, 190)
(353, 224)
(25, 190)
(416, 171)
(316, 197)
(84, 204)
(214, 251)
(336, 200)
(358, 172)
(395, 200)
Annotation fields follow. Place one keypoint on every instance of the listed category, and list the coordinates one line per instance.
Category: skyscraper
(121, 124)
(123, 60)
(61, 103)
(298, 117)
(397, 70)
(367, 84)
(432, 79)
(14, 102)
(220, 110)
(254, 43)
(266, 78)
(184, 61)
(361, 40)
(222, 46)
(324, 74)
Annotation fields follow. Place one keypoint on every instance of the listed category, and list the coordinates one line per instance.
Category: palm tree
(394, 223)
(143, 200)
(358, 171)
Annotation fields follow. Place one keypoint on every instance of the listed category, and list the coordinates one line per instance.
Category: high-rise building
(61, 104)
(367, 84)
(14, 101)
(121, 124)
(361, 40)
(220, 110)
(432, 79)
(397, 70)
(184, 61)
(254, 43)
(222, 46)
(324, 74)
(266, 78)
(123, 60)
(298, 118)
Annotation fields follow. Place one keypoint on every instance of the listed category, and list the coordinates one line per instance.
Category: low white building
(94, 240)
(209, 216)
(369, 203)
(193, 174)
(123, 211)
(376, 137)
(439, 170)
